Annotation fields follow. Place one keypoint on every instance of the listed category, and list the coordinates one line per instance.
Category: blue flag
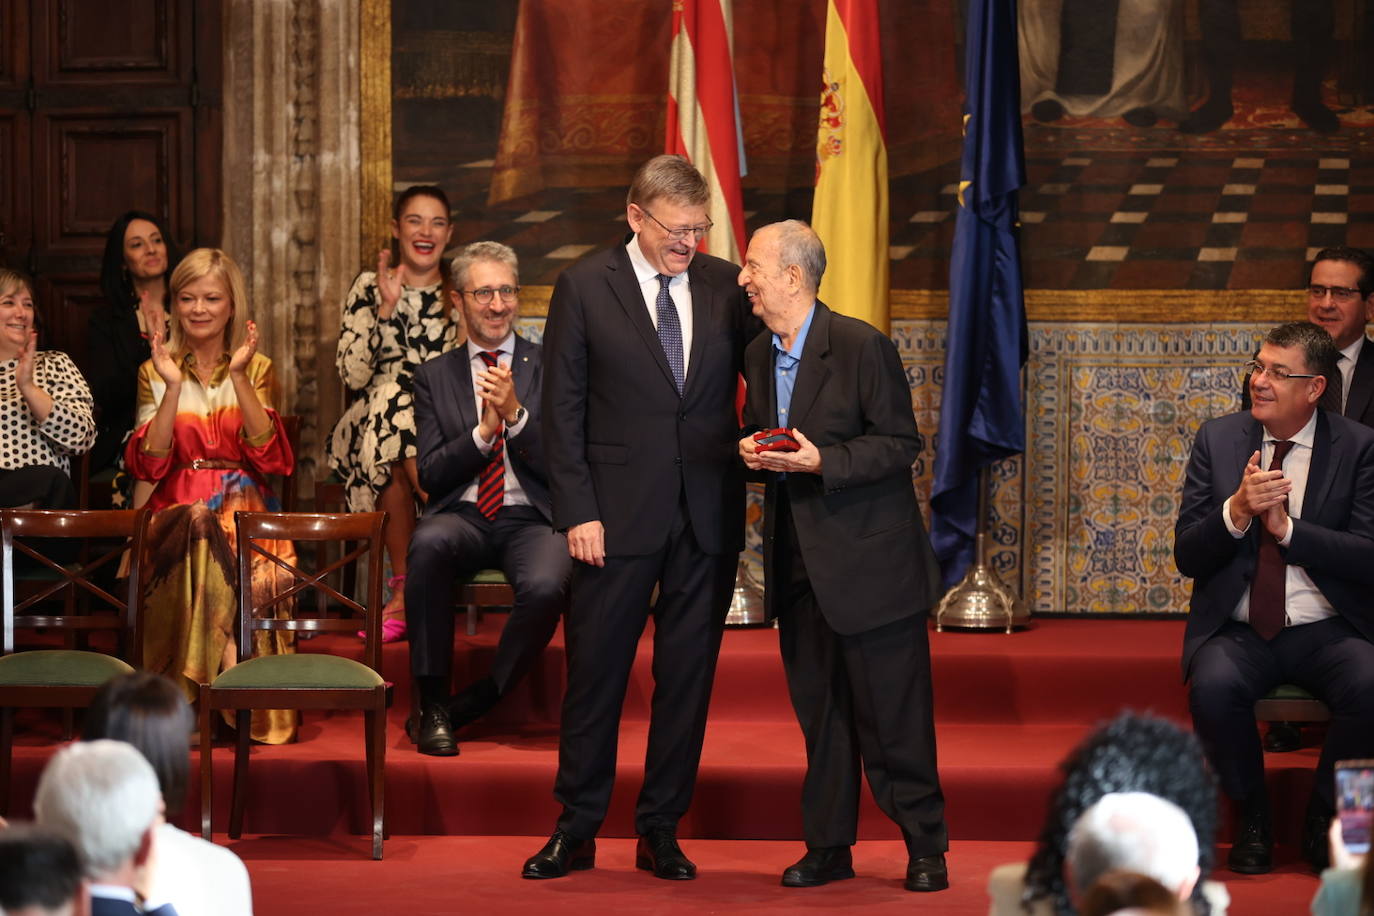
(981, 415)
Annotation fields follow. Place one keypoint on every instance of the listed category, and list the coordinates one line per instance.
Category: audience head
(209, 301)
(18, 312)
(149, 712)
(103, 797)
(1340, 293)
(1124, 893)
(421, 228)
(666, 209)
(1294, 350)
(1135, 832)
(138, 247)
(40, 873)
(782, 272)
(1132, 753)
(490, 271)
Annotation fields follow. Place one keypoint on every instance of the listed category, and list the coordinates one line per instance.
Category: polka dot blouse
(70, 427)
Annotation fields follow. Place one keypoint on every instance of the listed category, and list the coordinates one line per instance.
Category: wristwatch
(519, 415)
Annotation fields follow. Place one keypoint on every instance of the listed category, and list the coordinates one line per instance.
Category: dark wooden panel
(138, 41)
(15, 188)
(96, 167)
(65, 301)
(14, 43)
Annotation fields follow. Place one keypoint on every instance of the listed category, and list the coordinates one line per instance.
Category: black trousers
(46, 486)
(521, 543)
(1235, 667)
(610, 606)
(1312, 24)
(858, 697)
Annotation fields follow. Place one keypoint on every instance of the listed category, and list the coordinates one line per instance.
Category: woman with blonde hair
(207, 437)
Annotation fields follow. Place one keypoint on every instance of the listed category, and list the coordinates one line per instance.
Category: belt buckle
(197, 463)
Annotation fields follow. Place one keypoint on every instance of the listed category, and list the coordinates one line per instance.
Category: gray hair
(1133, 831)
(668, 177)
(102, 796)
(799, 244)
(481, 251)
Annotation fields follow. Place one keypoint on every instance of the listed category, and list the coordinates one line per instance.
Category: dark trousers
(1235, 667)
(521, 543)
(1312, 25)
(864, 697)
(46, 486)
(610, 606)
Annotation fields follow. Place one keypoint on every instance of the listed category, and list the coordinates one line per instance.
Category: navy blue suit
(1227, 665)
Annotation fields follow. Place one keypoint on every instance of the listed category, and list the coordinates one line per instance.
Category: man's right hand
(587, 543)
(1258, 492)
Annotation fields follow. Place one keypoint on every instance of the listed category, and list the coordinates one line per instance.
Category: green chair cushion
(1288, 692)
(298, 671)
(485, 577)
(59, 668)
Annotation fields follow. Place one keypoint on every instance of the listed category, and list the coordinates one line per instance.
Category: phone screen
(1355, 803)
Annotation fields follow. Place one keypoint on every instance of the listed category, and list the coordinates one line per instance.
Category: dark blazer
(115, 351)
(858, 524)
(445, 414)
(1360, 404)
(622, 444)
(1333, 541)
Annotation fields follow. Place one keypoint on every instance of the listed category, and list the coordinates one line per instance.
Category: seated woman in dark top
(139, 257)
(45, 407)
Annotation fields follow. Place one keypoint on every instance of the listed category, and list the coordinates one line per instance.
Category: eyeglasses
(677, 235)
(1338, 293)
(485, 294)
(1276, 373)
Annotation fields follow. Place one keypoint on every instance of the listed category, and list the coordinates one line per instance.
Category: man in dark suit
(848, 569)
(1276, 529)
(104, 797)
(481, 459)
(643, 348)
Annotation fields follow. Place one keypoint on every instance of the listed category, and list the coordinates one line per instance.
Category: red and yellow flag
(703, 114)
(850, 212)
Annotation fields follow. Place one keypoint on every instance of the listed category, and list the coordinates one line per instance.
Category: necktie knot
(489, 356)
(1281, 449)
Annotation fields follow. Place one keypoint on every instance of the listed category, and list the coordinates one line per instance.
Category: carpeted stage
(1008, 709)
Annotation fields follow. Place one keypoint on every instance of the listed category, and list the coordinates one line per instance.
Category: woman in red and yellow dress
(207, 437)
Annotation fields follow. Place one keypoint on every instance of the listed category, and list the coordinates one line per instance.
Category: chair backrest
(362, 532)
(126, 528)
(287, 492)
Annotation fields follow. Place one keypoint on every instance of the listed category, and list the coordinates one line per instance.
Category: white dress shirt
(1303, 601)
(678, 288)
(515, 494)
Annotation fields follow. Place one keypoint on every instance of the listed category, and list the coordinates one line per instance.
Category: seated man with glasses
(481, 458)
(1276, 529)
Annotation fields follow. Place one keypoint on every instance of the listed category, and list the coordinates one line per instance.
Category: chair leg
(68, 723)
(473, 614)
(375, 724)
(243, 723)
(206, 772)
(6, 749)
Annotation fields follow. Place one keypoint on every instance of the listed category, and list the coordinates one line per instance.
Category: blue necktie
(670, 330)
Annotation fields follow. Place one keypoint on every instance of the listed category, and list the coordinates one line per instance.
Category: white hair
(1133, 831)
(102, 796)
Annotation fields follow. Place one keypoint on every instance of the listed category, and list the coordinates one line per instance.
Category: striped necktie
(491, 483)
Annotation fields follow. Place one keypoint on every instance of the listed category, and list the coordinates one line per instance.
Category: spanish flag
(850, 212)
(703, 115)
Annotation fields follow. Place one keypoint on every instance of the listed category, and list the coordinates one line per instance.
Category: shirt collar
(113, 892)
(188, 359)
(506, 346)
(1352, 352)
(644, 271)
(799, 343)
(1306, 437)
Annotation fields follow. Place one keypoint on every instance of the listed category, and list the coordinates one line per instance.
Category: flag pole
(981, 600)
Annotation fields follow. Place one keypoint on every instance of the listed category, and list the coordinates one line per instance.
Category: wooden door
(104, 107)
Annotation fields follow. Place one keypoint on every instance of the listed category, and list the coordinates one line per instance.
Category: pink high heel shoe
(394, 614)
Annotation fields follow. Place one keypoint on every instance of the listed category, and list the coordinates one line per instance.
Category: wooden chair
(1290, 703)
(483, 589)
(304, 681)
(63, 678)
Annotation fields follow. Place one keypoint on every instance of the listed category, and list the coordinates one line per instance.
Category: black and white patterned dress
(70, 427)
(376, 359)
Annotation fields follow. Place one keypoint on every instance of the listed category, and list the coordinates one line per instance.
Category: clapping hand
(390, 283)
(162, 359)
(238, 362)
(23, 370)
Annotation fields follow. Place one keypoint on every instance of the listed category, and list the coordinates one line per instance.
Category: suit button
(682, 416)
(677, 461)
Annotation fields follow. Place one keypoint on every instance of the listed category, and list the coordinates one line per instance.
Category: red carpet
(1008, 709)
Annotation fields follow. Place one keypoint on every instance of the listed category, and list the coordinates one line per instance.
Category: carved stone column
(291, 199)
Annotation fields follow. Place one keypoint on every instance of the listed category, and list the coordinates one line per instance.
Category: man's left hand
(805, 460)
(496, 386)
(1276, 521)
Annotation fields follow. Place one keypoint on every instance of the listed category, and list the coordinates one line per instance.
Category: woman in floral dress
(394, 319)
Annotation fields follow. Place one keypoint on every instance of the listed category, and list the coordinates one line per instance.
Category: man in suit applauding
(643, 348)
(848, 569)
(481, 459)
(1276, 529)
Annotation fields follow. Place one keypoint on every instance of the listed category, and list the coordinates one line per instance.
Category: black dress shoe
(1252, 850)
(1316, 115)
(659, 853)
(928, 873)
(1283, 737)
(1213, 114)
(820, 866)
(561, 854)
(432, 734)
(472, 703)
(1316, 846)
